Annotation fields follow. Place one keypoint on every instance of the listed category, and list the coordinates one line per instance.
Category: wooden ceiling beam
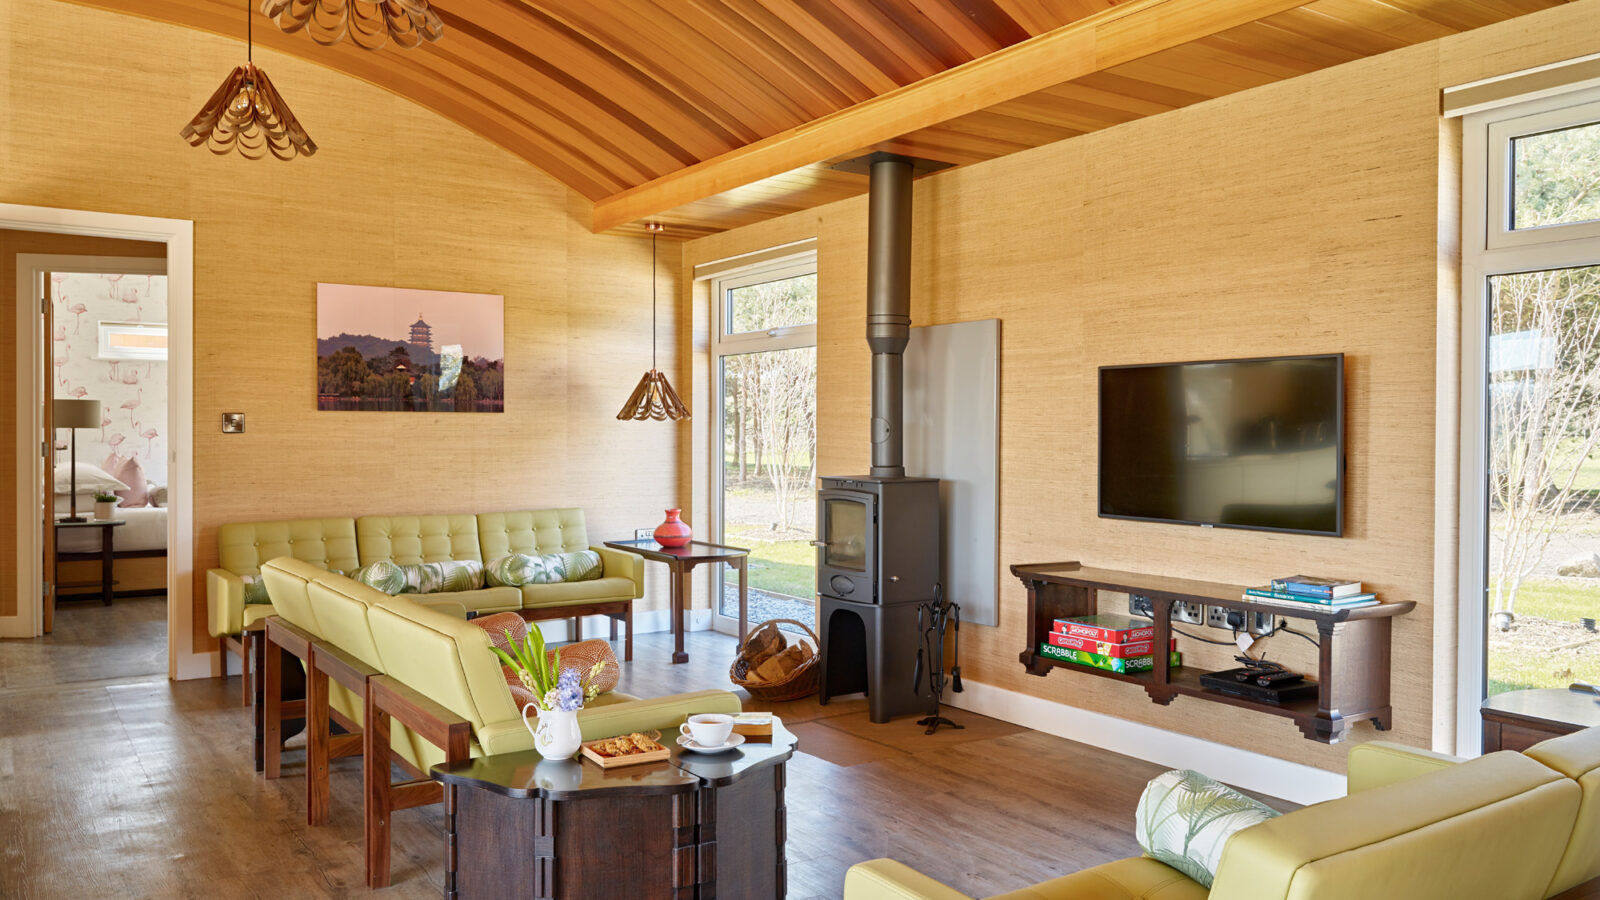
(1117, 35)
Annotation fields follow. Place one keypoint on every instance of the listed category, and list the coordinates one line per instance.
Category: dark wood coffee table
(518, 825)
(682, 560)
(1519, 719)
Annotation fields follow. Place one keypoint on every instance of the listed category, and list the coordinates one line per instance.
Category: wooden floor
(140, 787)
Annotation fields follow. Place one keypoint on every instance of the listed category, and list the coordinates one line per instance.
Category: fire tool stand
(933, 618)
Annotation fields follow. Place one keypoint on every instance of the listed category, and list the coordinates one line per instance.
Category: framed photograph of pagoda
(405, 350)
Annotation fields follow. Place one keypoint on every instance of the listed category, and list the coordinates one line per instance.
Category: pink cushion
(131, 473)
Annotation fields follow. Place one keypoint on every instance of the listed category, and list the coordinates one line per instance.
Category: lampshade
(77, 413)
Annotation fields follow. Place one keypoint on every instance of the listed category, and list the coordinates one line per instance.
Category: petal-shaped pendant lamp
(369, 24)
(248, 115)
(654, 398)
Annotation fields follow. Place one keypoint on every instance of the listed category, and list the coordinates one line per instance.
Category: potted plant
(104, 503)
(558, 694)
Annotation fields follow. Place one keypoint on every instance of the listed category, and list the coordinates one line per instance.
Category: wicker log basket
(802, 681)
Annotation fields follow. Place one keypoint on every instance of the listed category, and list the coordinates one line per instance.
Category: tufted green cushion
(1184, 819)
(519, 569)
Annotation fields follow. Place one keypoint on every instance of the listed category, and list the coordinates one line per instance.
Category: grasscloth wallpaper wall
(1301, 217)
(395, 196)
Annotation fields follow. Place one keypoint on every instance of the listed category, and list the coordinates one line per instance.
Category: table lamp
(75, 414)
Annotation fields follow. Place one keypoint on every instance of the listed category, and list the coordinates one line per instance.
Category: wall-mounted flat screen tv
(1239, 443)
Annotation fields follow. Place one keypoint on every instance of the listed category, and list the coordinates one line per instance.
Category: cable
(1194, 637)
(1283, 625)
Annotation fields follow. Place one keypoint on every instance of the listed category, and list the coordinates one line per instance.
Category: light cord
(653, 326)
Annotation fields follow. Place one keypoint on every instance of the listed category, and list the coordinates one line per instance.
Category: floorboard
(114, 783)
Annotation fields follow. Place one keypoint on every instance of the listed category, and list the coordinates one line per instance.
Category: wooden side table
(1519, 719)
(682, 560)
(107, 548)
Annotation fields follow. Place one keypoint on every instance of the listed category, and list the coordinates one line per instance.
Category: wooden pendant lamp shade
(654, 398)
(248, 115)
(369, 24)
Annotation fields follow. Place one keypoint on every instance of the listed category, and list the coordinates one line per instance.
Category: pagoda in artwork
(421, 334)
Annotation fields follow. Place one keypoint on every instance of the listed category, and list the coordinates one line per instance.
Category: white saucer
(687, 743)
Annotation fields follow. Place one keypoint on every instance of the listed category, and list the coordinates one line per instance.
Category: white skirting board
(1230, 765)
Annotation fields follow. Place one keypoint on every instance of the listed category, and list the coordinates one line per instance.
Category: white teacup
(708, 729)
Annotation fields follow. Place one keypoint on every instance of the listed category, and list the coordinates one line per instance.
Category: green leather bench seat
(1507, 826)
(346, 544)
(243, 547)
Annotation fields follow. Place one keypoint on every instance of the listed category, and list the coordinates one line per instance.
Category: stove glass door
(845, 534)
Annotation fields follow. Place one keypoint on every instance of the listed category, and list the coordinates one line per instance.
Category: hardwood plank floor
(140, 787)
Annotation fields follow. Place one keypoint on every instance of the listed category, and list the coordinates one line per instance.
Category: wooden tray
(756, 727)
(632, 759)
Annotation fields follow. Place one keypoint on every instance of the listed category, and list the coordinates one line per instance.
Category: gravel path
(766, 606)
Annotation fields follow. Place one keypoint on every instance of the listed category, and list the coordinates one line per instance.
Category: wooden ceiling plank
(949, 31)
(796, 76)
(1368, 17)
(809, 57)
(1124, 32)
(876, 34)
(986, 17)
(659, 46)
(869, 69)
(1120, 92)
(1309, 24)
(1079, 115)
(616, 92)
(1262, 37)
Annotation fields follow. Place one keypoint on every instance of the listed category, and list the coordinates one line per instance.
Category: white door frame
(178, 235)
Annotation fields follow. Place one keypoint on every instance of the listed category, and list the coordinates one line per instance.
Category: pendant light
(369, 25)
(654, 398)
(248, 115)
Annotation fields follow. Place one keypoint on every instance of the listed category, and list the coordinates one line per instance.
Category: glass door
(1543, 536)
(766, 440)
(1530, 402)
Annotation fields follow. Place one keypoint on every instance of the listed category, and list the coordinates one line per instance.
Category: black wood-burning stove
(878, 534)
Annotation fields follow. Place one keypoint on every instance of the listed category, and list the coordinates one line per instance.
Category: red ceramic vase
(674, 532)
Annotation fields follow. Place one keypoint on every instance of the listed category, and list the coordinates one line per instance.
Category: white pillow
(91, 478)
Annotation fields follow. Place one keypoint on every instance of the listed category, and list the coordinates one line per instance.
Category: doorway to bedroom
(101, 395)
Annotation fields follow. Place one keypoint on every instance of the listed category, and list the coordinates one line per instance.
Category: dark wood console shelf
(1353, 657)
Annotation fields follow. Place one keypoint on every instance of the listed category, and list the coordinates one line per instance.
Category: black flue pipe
(888, 307)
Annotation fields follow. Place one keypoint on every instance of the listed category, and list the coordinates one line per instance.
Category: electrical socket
(644, 534)
(1140, 605)
(1192, 613)
(1260, 623)
(1217, 617)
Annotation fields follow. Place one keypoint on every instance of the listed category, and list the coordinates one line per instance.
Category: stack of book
(1304, 590)
(1110, 642)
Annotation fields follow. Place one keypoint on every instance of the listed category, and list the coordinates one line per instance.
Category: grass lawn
(782, 567)
(1559, 600)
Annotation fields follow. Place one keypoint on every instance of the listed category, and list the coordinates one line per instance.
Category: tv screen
(1248, 443)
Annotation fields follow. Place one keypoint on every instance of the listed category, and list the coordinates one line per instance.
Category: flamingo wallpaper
(132, 395)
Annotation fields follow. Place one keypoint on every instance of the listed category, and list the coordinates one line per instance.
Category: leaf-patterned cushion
(382, 575)
(519, 569)
(1184, 819)
(255, 590)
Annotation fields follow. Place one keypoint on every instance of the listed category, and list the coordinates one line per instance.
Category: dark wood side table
(104, 555)
(518, 825)
(682, 560)
(1517, 720)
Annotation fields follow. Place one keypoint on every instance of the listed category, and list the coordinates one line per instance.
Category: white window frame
(106, 350)
(1502, 131)
(723, 344)
(1490, 248)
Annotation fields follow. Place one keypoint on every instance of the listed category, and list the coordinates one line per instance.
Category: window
(132, 340)
(1530, 404)
(765, 434)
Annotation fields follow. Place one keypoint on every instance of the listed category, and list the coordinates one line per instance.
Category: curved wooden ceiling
(711, 114)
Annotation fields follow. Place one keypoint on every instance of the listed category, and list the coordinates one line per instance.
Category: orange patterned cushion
(581, 656)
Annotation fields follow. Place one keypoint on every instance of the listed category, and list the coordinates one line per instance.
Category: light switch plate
(644, 534)
(233, 423)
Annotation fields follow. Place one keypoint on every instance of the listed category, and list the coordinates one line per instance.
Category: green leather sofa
(1418, 825)
(441, 678)
(346, 544)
